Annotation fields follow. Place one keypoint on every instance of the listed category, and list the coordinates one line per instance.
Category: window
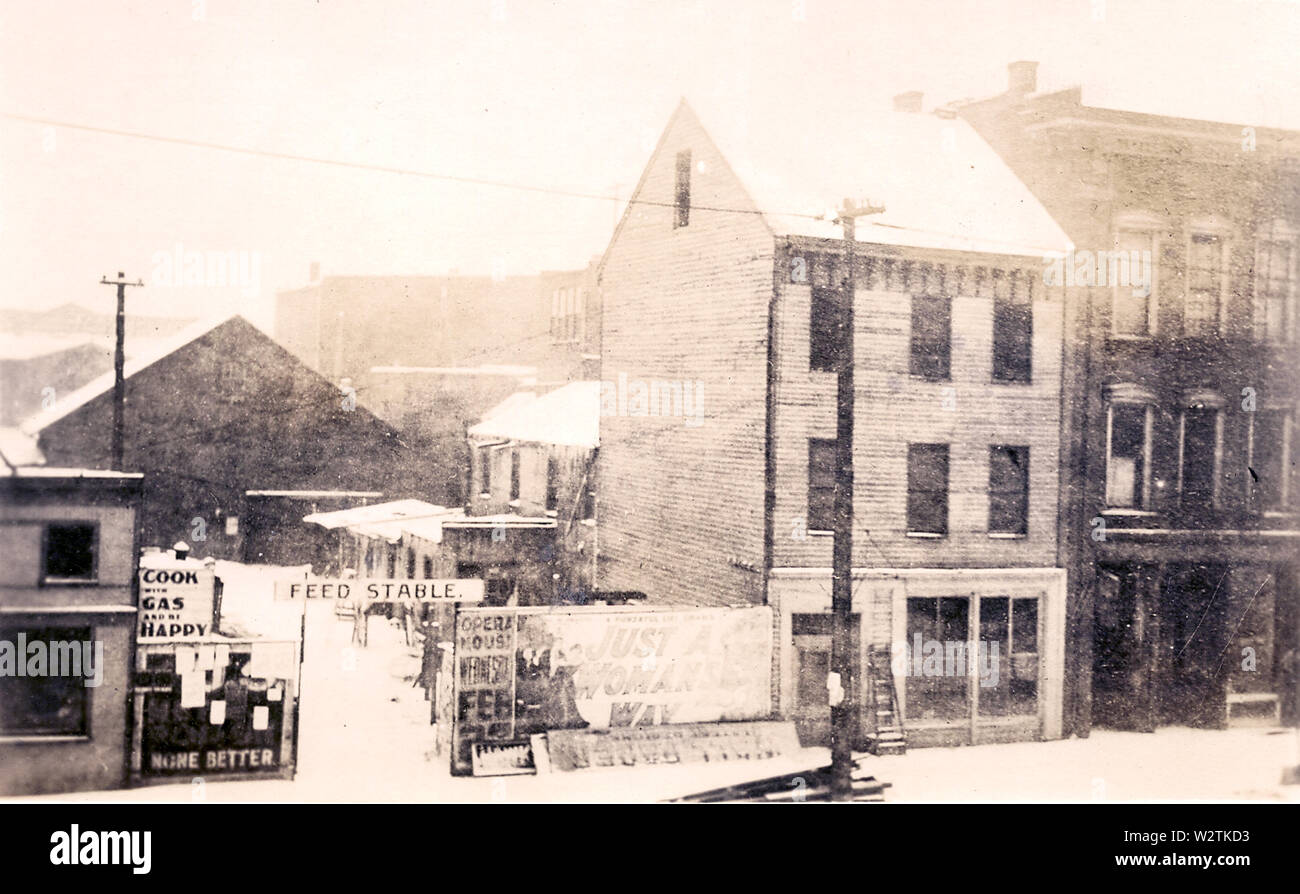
(552, 484)
(1201, 433)
(1011, 627)
(931, 336)
(1204, 284)
(1275, 290)
(1134, 308)
(821, 484)
(682, 190)
(1128, 455)
(514, 474)
(589, 504)
(927, 488)
(70, 552)
(428, 568)
(1272, 438)
(485, 470)
(51, 704)
(937, 695)
(1008, 490)
(825, 335)
(410, 563)
(391, 553)
(1013, 338)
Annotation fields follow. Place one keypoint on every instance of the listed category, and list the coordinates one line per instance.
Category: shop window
(931, 356)
(927, 488)
(1272, 440)
(51, 704)
(70, 552)
(1133, 312)
(514, 474)
(1201, 429)
(1128, 455)
(936, 692)
(1008, 666)
(682, 190)
(1013, 337)
(1275, 290)
(1203, 301)
(1008, 490)
(821, 484)
(552, 484)
(825, 334)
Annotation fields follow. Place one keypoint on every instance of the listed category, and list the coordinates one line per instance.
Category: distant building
(721, 291)
(217, 415)
(68, 582)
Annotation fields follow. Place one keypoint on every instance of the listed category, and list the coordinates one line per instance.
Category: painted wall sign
(502, 759)
(675, 744)
(527, 670)
(176, 602)
(381, 589)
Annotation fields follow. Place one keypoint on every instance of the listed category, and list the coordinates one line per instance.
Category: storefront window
(52, 703)
(936, 690)
(1009, 658)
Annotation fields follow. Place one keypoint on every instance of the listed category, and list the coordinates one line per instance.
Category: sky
(568, 97)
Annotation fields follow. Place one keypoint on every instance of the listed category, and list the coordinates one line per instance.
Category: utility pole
(119, 362)
(844, 707)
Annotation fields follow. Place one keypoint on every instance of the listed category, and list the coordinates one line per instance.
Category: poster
(176, 601)
(521, 671)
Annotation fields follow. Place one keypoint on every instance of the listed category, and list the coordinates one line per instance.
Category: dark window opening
(825, 332)
(927, 488)
(931, 337)
(1200, 443)
(70, 552)
(1013, 336)
(51, 704)
(552, 484)
(1126, 460)
(1268, 467)
(682, 190)
(821, 484)
(410, 563)
(514, 474)
(428, 568)
(485, 470)
(1008, 490)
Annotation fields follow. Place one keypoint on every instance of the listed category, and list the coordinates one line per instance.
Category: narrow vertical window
(1202, 428)
(552, 484)
(682, 190)
(927, 488)
(1204, 285)
(824, 331)
(1133, 311)
(1271, 443)
(931, 337)
(514, 474)
(485, 470)
(1128, 455)
(821, 484)
(1275, 290)
(1013, 337)
(1008, 490)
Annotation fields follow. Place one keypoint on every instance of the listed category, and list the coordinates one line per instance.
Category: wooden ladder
(887, 736)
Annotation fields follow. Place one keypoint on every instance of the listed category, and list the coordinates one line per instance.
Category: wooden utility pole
(844, 704)
(119, 363)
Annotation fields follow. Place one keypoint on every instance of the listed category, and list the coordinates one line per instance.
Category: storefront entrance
(812, 662)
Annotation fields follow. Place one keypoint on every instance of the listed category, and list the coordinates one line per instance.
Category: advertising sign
(375, 590)
(685, 743)
(176, 602)
(521, 671)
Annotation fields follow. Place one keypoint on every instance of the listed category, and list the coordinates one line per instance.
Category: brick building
(720, 290)
(1183, 381)
(68, 577)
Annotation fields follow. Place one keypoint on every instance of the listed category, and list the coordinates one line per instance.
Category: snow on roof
(375, 513)
(41, 344)
(941, 185)
(568, 416)
(19, 449)
(514, 402)
(157, 350)
(59, 472)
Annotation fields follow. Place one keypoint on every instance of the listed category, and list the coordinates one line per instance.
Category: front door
(812, 662)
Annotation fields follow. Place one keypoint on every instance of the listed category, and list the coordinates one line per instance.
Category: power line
(387, 169)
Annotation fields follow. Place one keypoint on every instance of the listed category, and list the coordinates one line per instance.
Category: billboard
(520, 671)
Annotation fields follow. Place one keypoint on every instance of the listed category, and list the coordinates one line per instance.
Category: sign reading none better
(381, 589)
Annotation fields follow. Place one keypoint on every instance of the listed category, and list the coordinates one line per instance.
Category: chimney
(908, 102)
(181, 549)
(1022, 78)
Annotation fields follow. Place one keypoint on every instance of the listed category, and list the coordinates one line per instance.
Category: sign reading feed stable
(521, 671)
(381, 589)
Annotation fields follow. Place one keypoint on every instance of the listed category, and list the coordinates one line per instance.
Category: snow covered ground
(365, 736)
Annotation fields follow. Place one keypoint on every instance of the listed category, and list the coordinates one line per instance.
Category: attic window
(682, 190)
